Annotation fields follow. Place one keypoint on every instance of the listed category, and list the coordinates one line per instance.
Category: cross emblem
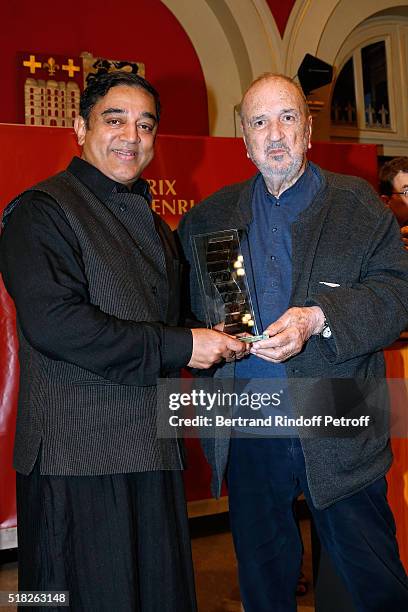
(71, 68)
(32, 64)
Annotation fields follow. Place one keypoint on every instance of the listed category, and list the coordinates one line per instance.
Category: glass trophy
(223, 283)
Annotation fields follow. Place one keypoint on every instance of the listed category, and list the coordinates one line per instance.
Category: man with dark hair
(329, 281)
(99, 87)
(94, 275)
(394, 191)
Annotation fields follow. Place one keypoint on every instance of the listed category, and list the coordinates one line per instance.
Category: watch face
(326, 333)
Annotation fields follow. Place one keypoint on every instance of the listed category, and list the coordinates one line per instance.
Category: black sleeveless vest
(85, 424)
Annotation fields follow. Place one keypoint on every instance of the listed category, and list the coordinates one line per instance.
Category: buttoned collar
(101, 185)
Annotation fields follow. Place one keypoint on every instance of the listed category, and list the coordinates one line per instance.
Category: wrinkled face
(120, 138)
(398, 202)
(276, 128)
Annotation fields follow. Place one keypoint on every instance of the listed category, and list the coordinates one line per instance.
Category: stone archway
(321, 27)
(235, 42)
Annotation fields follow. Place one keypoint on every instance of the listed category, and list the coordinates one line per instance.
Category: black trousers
(116, 543)
(265, 476)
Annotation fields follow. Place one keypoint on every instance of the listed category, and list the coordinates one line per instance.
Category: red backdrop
(281, 10)
(185, 170)
(140, 30)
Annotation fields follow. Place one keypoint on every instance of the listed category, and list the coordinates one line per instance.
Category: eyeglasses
(403, 193)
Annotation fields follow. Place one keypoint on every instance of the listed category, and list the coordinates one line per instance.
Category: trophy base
(251, 339)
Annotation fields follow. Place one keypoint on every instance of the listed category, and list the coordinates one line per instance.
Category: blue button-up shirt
(269, 249)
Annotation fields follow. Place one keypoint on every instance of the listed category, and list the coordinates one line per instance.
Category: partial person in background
(394, 191)
(94, 275)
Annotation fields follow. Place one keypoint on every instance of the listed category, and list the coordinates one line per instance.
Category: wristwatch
(326, 331)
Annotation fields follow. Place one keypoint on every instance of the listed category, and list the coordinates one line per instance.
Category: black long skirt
(117, 543)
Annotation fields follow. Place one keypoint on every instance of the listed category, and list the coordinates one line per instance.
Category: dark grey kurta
(95, 283)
